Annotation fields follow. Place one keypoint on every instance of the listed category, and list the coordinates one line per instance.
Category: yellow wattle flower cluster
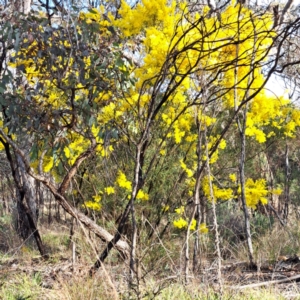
(141, 195)
(256, 192)
(218, 193)
(181, 223)
(95, 16)
(109, 190)
(48, 163)
(239, 35)
(122, 181)
(94, 204)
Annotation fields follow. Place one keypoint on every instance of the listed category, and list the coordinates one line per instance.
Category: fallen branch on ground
(290, 279)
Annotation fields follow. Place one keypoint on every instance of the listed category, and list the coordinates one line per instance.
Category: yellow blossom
(218, 193)
(203, 228)
(123, 182)
(48, 164)
(97, 198)
(142, 196)
(193, 224)
(93, 205)
(109, 190)
(179, 210)
(180, 223)
(232, 177)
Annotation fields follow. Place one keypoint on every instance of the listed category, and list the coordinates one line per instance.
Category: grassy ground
(23, 286)
(25, 275)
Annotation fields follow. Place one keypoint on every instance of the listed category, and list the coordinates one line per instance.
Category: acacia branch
(67, 179)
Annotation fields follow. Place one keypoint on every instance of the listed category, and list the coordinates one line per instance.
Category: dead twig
(259, 284)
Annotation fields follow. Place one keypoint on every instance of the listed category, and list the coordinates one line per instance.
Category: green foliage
(22, 287)
(55, 242)
(192, 292)
(261, 224)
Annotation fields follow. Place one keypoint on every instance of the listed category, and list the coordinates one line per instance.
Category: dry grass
(280, 241)
(24, 274)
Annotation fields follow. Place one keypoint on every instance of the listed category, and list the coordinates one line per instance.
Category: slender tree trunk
(27, 205)
(196, 210)
(241, 123)
(133, 258)
(26, 217)
(22, 224)
(50, 210)
(29, 187)
(215, 220)
(242, 128)
(196, 254)
(32, 226)
(286, 185)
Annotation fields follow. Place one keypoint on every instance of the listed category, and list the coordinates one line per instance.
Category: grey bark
(215, 221)
(286, 186)
(242, 128)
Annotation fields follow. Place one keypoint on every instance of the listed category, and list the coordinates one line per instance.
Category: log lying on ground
(259, 284)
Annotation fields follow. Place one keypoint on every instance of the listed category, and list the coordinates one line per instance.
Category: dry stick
(216, 226)
(290, 279)
(277, 215)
